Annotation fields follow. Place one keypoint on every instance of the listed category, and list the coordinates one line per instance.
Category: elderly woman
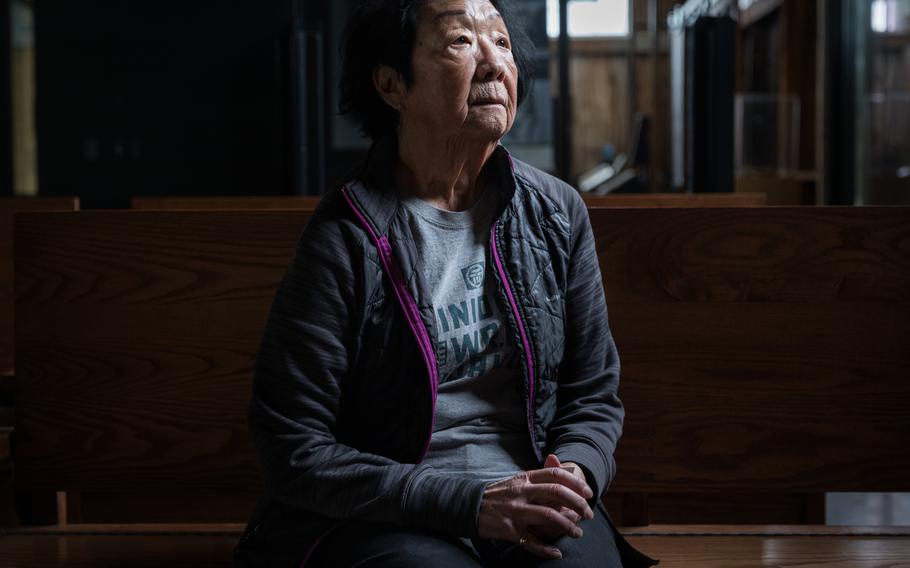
(437, 383)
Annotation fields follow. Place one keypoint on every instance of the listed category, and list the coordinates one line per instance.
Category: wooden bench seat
(765, 351)
(776, 551)
(116, 546)
(211, 546)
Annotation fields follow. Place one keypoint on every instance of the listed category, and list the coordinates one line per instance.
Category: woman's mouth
(488, 102)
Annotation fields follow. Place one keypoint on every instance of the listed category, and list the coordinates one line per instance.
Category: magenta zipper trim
(409, 306)
(521, 331)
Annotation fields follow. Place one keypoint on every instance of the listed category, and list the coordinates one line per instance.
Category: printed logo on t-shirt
(473, 275)
(471, 339)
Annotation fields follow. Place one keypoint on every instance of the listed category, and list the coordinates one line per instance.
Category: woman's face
(465, 78)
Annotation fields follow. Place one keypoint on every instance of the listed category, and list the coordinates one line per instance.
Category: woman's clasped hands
(533, 506)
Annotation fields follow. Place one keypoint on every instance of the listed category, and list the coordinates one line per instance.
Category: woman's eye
(503, 42)
(461, 40)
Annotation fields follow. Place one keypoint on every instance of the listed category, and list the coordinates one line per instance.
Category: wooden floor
(801, 551)
(148, 546)
(116, 551)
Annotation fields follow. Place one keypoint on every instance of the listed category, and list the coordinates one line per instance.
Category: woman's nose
(491, 65)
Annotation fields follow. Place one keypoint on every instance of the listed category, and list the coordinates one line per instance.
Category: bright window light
(879, 16)
(591, 18)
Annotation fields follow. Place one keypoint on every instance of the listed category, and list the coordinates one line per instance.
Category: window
(890, 16)
(591, 18)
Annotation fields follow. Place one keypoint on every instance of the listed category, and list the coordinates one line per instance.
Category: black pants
(362, 545)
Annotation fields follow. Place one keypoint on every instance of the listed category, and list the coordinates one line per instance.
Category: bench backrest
(677, 200)
(8, 206)
(236, 203)
(138, 332)
(764, 349)
(754, 199)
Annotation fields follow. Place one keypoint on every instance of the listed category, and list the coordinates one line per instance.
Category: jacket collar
(374, 185)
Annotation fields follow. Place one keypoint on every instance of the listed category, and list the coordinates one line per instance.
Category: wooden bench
(765, 352)
(677, 200)
(701, 200)
(236, 203)
(8, 207)
(210, 546)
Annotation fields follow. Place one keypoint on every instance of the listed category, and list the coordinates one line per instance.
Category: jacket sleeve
(305, 354)
(589, 414)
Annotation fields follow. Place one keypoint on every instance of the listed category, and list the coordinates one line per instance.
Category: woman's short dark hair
(383, 32)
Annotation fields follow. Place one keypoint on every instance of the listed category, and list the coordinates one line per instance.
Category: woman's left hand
(571, 467)
(574, 469)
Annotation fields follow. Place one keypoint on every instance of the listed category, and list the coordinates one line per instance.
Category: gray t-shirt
(480, 428)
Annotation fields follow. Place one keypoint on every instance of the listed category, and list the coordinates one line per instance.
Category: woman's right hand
(543, 503)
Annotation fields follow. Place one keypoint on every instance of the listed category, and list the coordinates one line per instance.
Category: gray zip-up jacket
(345, 381)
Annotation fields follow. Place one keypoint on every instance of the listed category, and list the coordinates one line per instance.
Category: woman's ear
(389, 85)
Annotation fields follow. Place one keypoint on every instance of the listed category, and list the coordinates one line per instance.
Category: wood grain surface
(116, 551)
(165, 506)
(235, 529)
(236, 203)
(676, 200)
(778, 552)
(8, 206)
(729, 507)
(195, 550)
(727, 530)
(135, 529)
(291, 202)
(764, 349)
(138, 332)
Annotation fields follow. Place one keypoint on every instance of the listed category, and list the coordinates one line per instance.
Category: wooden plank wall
(601, 103)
